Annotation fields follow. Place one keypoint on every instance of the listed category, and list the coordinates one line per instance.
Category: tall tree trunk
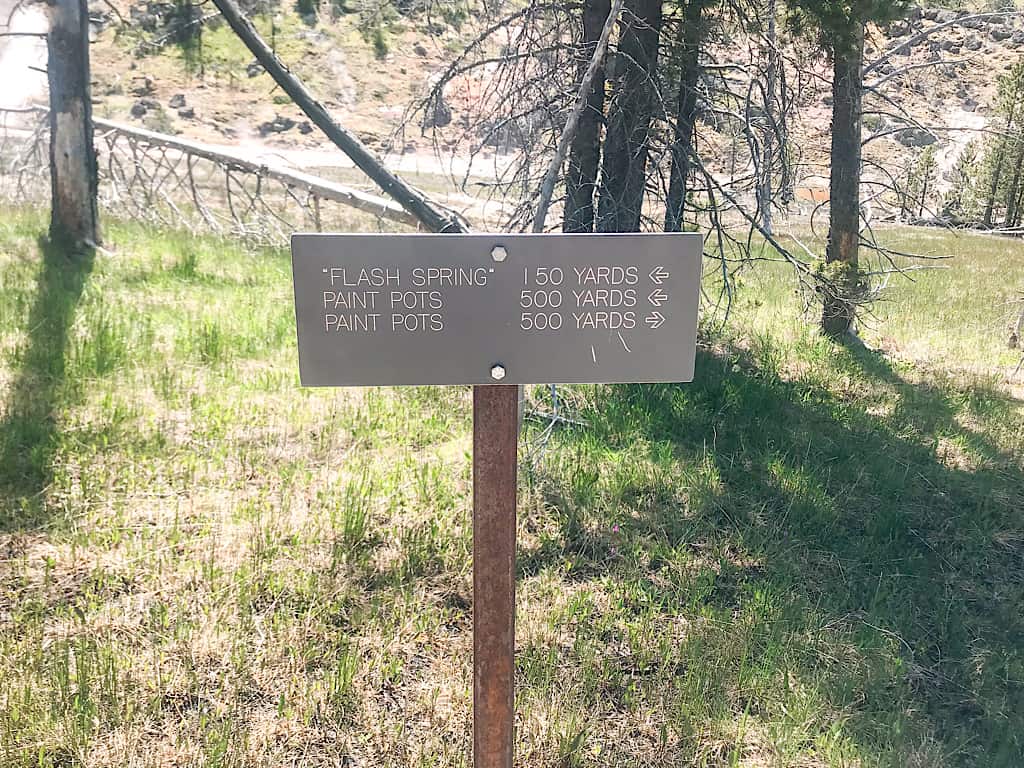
(844, 187)
(1011, 196)
(585, 151)
(993, 188)
(624, 167)
(763, 190)
(997, 172)
(690, 38)
(73, 169)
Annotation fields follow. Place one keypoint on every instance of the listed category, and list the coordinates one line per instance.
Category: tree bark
(585, 152)
(1012, 216)
(763, 190)
(844, 187)
(690, 39)
(74, 215)
(624, 167)
(410, 198)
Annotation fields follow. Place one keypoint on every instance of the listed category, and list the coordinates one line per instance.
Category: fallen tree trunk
(411, 199)
(328, 190)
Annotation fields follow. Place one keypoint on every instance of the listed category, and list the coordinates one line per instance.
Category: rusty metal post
(495, 438)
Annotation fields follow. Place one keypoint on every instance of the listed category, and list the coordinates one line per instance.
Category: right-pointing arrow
(658, 275)
(655, 320)
(657, 297)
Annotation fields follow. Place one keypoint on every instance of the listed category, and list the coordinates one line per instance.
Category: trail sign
(495, 309)
(488, 309)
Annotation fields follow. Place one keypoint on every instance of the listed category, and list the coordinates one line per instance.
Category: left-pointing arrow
(657, 297)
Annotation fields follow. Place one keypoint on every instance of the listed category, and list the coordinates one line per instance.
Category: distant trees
(1004, 155)
(73, 173)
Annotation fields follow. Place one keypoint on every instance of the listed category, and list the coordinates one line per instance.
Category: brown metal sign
(488, 309)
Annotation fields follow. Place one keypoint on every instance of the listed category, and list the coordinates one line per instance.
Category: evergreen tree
(840, 29)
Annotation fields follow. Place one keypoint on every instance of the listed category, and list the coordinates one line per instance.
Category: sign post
(495, 438)
(495, 311)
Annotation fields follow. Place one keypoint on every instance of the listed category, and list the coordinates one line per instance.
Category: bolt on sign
(486, 309)
(495, 310)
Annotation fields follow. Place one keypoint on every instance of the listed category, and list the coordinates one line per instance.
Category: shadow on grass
(883, 515)
(29, 430)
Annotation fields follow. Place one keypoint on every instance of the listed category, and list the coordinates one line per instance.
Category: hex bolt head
(497, 371)
(498, 253)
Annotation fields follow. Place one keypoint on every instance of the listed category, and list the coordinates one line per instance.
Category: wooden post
(495, 439)
(73, 171)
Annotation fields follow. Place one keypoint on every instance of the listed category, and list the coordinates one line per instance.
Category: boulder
(279, 124)
(1000, 33)
(915, 137)
(187, 113)
(254, 68)
(972, 43)
(142, 106)
(438, 114)
(177, 101)
(142, 85)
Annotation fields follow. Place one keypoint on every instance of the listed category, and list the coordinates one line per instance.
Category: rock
(278, 125)
(1017, 36)
(930, 14)
(187, 113)
(899, 28)
(944, 16)
(254, 68)
(972, 43)
(142, 85)
(419, 49)
(438, 115)
(915, 137)
(970, 105)
(1000, 33)
(914, 13)
(177, 101)
(305, 128)
(142, 106)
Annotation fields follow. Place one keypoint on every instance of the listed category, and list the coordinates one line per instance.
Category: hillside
(369, 72)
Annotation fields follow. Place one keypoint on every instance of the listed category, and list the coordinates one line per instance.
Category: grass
(810, 556)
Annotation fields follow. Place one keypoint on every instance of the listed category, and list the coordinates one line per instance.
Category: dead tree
(636, 101)
(585, 153)
(411, 199)
(691, 33)
(74, 216)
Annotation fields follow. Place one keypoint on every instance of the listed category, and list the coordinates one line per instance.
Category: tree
(74, 214)
(691, 38)
(1010, 104)
(840, 26)
(635, 101)
(585, 153)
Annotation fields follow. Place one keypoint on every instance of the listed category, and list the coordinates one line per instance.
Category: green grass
(810, 556)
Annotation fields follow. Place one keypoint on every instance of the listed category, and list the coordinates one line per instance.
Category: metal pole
(495, 438)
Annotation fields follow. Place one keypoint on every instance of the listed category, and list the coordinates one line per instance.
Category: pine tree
(840, 27)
